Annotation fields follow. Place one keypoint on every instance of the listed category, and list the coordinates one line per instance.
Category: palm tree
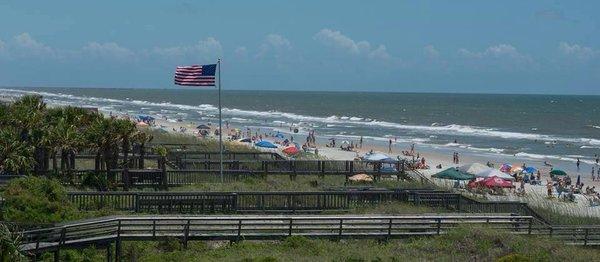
(141, 138)
(15, 155)
(27, 115)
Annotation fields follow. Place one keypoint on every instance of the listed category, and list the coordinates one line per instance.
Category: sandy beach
(535, 194)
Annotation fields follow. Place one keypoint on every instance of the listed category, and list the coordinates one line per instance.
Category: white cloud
(274, 44)
(25, 43)
(278, 41)
(2, 47)
(577, 51)
(108, 50)
(379, 53)
(208, 48)
(241, 51)
(430, 51)
(500, 51)
(340, 41)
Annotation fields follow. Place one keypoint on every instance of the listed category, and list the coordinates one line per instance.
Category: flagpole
(220, 124)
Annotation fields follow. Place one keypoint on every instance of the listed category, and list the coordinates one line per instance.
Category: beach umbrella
(265, 144)
(279, 135)
(245, 140)
(530, 170)
(496, 182)
(203, 127)
(345, 142)
(505, 168)
(453, 174)
(473, 168)
(291, 150)
(145, 118)
(516, 169)
(490, 172)
(361, 178)
(558, 172)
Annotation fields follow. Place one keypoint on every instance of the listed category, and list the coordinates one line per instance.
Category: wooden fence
(103, 231)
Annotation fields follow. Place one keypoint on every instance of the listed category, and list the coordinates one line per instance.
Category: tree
(15, 155)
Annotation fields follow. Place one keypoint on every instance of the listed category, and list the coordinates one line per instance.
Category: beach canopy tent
(291, 150)
(558, 172)
(279, 135)
(203, 127)
(530, 170)
(265, 144)
(245, 140)
(453, 174)
(473, 168)
(505, 168)
(490, 172)
(378, 157)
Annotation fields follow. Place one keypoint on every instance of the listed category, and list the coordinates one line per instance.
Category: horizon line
(296, 90)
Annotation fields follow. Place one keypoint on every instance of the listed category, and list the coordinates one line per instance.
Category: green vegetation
(9, 245)
(35, 201)
(463, 244)
(299, 183)
(31, 134)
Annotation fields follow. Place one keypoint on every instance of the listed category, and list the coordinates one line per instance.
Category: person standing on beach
(593, 174)
(597, 159)
(578, 163)
(361, 141)
(390, 146)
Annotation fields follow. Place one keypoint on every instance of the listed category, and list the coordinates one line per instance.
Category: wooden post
(239, 230)
(439, 225)
(341, 228)
(390, 229)
(118, 243)
(290, 228)
(585, 240)
(186, 234)
(109, 253)
(126, 179)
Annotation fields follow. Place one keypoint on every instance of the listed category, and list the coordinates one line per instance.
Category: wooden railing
(143, 228)
(229, 202)
(282, 202)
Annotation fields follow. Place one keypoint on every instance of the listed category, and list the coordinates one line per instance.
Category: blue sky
(402, 46)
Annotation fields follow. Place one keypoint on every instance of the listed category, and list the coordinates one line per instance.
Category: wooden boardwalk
(288, 202)
(103, 231)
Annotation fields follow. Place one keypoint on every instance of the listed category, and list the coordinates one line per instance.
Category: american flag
(195, 75)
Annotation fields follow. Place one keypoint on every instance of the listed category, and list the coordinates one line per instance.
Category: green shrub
(35, 200)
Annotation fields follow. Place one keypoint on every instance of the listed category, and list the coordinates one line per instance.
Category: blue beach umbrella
(279, 135)
(530, 170)
(378, 157)
(265, 144)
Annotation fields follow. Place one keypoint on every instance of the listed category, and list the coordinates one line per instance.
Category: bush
(35, 200)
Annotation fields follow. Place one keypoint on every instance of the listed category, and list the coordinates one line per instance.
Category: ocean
(537, 127)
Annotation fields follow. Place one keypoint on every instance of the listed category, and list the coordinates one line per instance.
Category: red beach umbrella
(496, 182)
(291, 150)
